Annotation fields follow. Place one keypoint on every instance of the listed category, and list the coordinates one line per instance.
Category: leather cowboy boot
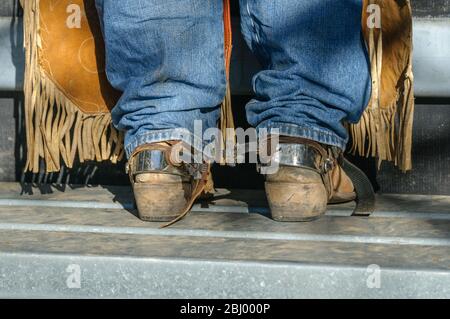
(309, 177)
(164, 189)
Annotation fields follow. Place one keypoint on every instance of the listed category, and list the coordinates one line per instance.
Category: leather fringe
(385, 131)
(226, 111)
(55, 128)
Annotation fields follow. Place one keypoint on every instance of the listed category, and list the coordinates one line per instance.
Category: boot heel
(293, 202)
(161, 202)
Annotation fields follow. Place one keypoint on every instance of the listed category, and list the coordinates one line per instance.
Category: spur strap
(198, 189)
(365, 194)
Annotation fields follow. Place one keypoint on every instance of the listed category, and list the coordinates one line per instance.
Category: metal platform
(87, 242)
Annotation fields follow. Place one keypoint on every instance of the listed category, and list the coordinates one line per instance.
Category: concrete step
(226, 247)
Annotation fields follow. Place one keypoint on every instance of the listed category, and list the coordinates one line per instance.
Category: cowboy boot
(309, 177)
(161, 188)
(164, 189)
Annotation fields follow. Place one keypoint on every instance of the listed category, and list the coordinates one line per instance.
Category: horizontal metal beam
(431, 58)
(49, 276)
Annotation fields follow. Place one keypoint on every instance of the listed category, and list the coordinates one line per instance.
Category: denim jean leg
(316, 72)
(167, 57)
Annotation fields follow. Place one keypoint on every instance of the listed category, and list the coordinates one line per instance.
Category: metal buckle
(196, 170)
(328, 165)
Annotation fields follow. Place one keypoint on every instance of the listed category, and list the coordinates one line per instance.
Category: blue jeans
(167, 56)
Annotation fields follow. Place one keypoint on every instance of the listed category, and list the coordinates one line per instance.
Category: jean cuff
(177, 134)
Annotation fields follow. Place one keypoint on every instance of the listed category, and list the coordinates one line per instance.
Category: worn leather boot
(164, 189)
(309, 177)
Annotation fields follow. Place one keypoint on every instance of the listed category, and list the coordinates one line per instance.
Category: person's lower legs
(315, 76)
(316, 70)
(167, 58)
